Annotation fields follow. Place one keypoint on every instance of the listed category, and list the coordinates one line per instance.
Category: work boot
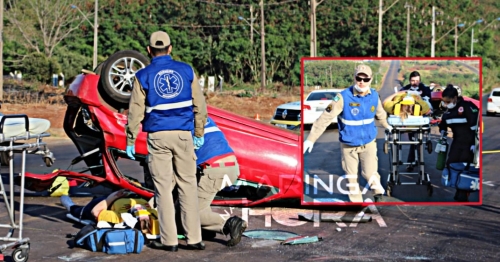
(197, 246)
(409, 167)
(235, 227)
(158, 245)
(67, 202)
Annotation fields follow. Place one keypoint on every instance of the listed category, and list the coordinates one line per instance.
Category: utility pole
(433, 36)
(96, 25)
(314, 42)
(262, 48)
(1, 50)
(380, 14)
(251, 24)
(456, 37)
(472, 43)
(408, 6)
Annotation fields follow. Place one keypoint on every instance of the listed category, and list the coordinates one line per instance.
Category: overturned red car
(269, 157)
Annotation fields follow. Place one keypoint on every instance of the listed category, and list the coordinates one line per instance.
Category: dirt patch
(53, 113)
(250, 106)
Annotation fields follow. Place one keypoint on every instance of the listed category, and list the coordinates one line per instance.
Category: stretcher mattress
(410, 121)
(16, 126)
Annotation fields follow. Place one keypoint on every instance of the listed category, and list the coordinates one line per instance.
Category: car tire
(118, 74)
(490, 113)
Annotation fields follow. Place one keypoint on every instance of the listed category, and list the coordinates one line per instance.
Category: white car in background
(316, 102)
(289, 115)
(493, 106)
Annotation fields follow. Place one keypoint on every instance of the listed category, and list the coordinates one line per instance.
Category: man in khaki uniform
(218, 168)
(168, 100)
(356, 108)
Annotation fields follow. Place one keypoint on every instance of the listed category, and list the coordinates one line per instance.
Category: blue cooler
(462, 176)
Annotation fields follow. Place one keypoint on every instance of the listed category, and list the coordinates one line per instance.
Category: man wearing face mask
(357, 107)
(461, 117)
(425, 92)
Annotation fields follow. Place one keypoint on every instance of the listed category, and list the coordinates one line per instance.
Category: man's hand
(131, 152)
(308, 146)
(388, 129)
(198, 142)
(443, 134)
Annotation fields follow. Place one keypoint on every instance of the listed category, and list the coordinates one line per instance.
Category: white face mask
(361, 90)
(414, 88)
(449, 106)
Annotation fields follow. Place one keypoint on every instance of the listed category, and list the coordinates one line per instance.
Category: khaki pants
(367, 156)
(212, 181)
(171, 161)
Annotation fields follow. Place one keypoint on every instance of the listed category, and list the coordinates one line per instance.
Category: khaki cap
(363, 69)
(159, 39)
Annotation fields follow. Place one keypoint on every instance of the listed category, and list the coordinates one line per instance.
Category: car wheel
(118, 74)
(490, 113)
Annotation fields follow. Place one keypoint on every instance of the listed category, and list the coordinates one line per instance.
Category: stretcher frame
(393, 147)
(19, 244)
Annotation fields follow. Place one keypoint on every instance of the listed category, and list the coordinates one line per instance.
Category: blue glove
(198, 142)
(131, 152)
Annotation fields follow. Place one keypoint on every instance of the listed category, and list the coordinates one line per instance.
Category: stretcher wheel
(20, 254)
(428, 144)
(429, 189)
(48, 161)
(386, 147)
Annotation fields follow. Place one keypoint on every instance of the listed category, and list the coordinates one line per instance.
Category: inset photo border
(359, 114)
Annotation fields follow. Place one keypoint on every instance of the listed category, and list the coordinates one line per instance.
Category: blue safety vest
(169, 103)
(357, 120)
(215, 143)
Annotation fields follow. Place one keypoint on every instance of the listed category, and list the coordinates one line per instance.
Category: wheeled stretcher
(19, 134)
(421, 127)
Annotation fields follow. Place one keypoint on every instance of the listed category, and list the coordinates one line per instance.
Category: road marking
(491, 151)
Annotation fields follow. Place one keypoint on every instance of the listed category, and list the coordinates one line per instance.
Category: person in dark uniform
(461, 117)
(425, 94)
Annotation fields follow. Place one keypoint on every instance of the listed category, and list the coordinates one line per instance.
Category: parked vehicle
(289, 115)
(493, 106)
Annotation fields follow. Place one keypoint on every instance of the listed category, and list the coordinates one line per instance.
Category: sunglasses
(366, 80)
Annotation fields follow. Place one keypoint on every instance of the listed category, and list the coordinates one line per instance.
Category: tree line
(43, 37)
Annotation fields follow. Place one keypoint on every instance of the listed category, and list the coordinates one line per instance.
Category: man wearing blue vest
(168, 100)
(218, 168)
(357, 107)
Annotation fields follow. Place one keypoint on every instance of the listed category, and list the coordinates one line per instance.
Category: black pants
(411, 154)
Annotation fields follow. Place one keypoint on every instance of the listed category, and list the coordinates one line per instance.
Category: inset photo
(391, 131)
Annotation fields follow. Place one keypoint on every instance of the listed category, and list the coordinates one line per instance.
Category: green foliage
(334, 73)
(38, 67)
(209, 35)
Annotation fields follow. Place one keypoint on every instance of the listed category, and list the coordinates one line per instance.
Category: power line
(246, 5)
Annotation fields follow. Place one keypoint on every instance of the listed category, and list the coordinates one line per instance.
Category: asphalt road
(399, 233)
(324, 162)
